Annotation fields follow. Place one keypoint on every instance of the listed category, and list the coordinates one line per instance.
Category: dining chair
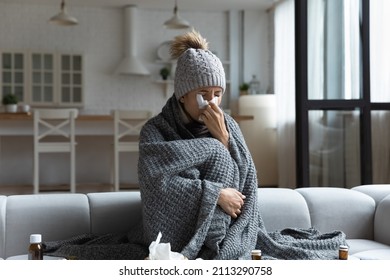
(127, 127)
(54, 132)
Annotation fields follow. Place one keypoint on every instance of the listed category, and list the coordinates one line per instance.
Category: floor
(85, 188)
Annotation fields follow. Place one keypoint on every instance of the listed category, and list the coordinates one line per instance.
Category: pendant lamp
(62, 18)
(176, 22)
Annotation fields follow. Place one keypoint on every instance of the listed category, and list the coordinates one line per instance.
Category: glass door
(342, 110)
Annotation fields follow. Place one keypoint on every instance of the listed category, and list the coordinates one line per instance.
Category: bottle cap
(256, 252)
(343, 247)
(35, 238)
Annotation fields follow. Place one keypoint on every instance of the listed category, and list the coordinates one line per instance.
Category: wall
(256, 47)
(99, 38)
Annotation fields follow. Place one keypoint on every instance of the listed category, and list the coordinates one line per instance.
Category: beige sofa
(362, 213)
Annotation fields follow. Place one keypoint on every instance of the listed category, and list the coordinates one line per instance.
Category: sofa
(362, 212)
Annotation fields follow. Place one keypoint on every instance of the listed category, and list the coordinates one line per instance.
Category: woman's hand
(214, 119)
(231, 201)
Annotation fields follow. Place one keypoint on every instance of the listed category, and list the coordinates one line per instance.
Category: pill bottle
(256, 254)
(35, 250)
(343, 252)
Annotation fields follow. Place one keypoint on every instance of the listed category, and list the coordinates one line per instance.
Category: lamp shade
(176, 22)
(62, 18)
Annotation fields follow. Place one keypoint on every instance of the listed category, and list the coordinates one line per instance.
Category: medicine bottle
(343, 252)
(256, 254)
(35, 250)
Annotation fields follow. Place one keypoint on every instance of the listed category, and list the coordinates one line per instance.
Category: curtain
(352, 46)
(380, 87)
(284, 77)
(315, 30)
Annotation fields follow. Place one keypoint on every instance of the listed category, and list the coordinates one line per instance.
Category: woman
(197, 178)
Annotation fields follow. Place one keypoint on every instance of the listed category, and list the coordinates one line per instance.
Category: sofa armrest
(55, 216)
(3, 201)
(382, 221)
(377, 192)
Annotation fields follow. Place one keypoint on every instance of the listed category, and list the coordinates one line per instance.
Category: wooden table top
(81, 117)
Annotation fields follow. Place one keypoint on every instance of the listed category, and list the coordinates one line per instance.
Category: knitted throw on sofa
(180, 179)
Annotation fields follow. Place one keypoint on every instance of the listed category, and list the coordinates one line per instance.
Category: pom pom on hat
(196, 66)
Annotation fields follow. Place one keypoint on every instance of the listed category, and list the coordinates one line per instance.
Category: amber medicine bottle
(256, 254)
(35, 250)
(343, 252)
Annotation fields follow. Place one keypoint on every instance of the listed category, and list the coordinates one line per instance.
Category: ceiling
(202, 5)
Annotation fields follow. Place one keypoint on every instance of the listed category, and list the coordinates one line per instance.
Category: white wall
(99, 38)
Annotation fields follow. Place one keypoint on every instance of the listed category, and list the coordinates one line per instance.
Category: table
(19, 124)
(24, 257)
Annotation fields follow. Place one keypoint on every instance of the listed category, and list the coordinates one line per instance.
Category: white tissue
(162, 251)
(203, 103)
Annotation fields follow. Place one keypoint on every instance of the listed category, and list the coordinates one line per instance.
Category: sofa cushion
(326, 204)
(378, 254)
(282, 208)
(55, 216)
(377, 192)
(359, 245)
(114, 212)
(382, 221)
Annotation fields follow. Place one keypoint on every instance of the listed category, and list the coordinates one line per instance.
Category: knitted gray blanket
(180, 179)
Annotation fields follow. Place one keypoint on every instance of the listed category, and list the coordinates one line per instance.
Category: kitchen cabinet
(43, 78)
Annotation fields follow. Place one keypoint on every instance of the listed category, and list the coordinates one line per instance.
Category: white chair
(127, 127)
(60, 123)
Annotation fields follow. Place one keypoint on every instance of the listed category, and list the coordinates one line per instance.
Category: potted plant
(164, 72)
(244, 87)
(10, 101)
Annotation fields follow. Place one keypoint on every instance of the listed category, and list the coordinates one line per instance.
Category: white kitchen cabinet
(43, 78)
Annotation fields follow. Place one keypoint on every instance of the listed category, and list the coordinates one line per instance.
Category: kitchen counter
(20, 124)
(28, 116)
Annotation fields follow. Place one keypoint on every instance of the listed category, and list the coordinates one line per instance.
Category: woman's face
(190, 102)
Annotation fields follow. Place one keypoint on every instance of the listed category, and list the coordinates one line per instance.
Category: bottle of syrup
(35, 250)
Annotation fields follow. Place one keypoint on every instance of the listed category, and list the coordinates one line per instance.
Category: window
(343, 113)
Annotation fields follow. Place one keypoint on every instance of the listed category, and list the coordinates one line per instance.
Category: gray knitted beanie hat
(196, 65)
